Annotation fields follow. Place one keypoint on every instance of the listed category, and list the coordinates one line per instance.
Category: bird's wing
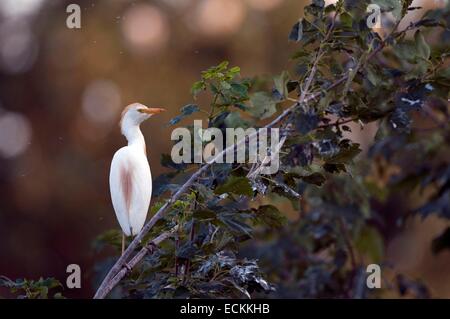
(131, 187)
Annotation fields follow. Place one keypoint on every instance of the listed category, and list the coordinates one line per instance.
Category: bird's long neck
(134, 136)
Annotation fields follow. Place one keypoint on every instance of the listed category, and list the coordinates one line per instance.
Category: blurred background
(61, 94)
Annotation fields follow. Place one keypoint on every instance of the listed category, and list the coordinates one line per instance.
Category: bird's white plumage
(130, 179)
(131, 188)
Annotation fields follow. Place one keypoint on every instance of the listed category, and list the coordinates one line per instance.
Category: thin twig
(337, 123)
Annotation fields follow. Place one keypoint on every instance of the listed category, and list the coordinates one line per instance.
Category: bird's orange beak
(152, 110)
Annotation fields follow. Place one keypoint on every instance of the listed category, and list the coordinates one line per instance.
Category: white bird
(130, 179)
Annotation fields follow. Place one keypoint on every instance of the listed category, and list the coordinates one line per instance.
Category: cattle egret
(130, 179)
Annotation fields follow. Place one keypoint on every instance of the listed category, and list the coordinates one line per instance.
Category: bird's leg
(176, 258)
(123, 242)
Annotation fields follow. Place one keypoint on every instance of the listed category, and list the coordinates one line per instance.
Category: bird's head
(136, 113)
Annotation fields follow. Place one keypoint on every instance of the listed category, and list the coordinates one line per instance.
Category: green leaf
(58, 295)
(262, 105)
(270, 216)
(296, 33)
(346, 20)
(197, 87)
(422, 47)
(234, 71)
(372, 76)
(205, 192)
(111, 237)
(370, 242)
(234, 120)
(280, 83)
(239, 89)
(345, 155)
(186, 251)
(236, 185)
(444, 73)
(394, 6)
(222, 66)
(236, 226)
(185, 111)
(405, 51)
(315, 178)
(225, 85)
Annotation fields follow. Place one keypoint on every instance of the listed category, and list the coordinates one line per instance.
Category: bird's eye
(141, 110)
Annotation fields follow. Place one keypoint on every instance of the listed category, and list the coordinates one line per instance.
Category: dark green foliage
(235, 185)
(33, 289)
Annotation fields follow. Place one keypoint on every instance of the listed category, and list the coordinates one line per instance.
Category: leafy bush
(33, 289)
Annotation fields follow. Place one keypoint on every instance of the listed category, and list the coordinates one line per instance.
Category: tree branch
(149, 248)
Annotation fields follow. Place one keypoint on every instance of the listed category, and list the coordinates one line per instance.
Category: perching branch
(148, 249)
